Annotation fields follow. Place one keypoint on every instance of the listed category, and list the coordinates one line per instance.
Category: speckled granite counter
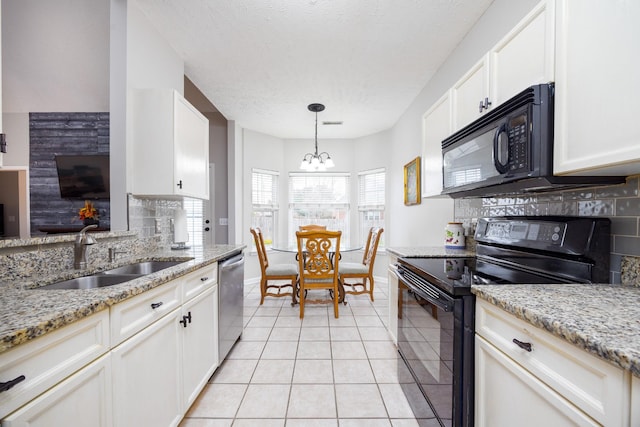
(27, 312)
(430, 252)
(604, 320)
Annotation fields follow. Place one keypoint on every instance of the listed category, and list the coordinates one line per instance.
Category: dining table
(293, 249)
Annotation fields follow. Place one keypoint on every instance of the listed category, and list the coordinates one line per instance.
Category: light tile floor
(313, 372)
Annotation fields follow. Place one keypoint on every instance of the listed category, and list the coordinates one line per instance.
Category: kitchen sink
(92, 282)
(114, 276)
(146, 267)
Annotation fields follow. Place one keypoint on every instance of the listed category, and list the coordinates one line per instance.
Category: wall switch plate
(224, 221)
(157, 226)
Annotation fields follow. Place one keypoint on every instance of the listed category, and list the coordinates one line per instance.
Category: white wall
(55, 55)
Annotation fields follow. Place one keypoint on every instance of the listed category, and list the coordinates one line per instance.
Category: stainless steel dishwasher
(230, 302)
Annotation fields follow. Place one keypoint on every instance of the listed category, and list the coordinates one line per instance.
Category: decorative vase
(454, 236)
(91, 221)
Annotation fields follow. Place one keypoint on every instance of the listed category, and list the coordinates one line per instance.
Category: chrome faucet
(80, 247)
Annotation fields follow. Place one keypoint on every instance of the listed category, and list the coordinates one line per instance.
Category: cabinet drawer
(196, 282)
(47, 360)
(84, 399)
(135, 314)
(593, 385)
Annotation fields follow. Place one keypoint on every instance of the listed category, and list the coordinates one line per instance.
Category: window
(264, 201)
(195, 220)
(371, 201)
(321, 199)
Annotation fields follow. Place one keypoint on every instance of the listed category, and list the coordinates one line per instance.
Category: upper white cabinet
(470, 94)
(436, 126)
(524, 57)
(170, 146)
(597, 69)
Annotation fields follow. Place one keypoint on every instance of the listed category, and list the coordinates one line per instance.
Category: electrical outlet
(224, 221)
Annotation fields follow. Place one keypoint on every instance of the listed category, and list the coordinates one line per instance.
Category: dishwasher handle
(232, 262)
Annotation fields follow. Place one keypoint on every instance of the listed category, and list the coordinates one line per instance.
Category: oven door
(435, 339)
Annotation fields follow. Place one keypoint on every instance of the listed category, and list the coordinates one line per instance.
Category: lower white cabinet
(635, 401)
(393, 298)
(83, 399)
(146, 375)
(555, 382)
(199, 343)
(163, 350)
(508, 395)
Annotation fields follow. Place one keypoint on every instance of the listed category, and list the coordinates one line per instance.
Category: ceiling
(261, 62)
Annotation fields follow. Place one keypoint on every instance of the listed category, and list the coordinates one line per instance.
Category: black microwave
(509, 150)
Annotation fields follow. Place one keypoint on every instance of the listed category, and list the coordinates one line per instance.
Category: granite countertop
(603, 320)
(430, 252)
(27, 312)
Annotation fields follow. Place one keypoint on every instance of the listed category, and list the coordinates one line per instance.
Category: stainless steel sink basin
(146, 267)
(92, 282)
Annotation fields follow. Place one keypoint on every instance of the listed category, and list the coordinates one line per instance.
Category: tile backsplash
(620, 203)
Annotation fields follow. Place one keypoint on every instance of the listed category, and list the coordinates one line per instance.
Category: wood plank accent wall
(51, 134)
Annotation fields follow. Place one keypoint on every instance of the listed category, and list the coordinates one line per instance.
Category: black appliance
(509, 150)
(436, 307)
(83, 176)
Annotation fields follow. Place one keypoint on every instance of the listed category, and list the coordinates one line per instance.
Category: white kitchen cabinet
(566, 382)
(470, 93)
(170, 146)
(393, 298)
(47, 360)
(436, 126)
(147, 375)
(524, 57)
(199, 343)
(508, 395)
(597, 69)
(83, 399)
(635, 401)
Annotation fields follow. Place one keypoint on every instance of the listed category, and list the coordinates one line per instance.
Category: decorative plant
(88, 211)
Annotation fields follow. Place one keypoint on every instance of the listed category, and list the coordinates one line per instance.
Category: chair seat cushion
(352, 268)
(318, 281)
(282, 270)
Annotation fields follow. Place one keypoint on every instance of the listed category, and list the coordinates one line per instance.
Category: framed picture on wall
(412, 182)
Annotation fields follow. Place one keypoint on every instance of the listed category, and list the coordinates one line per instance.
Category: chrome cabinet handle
(523, 345)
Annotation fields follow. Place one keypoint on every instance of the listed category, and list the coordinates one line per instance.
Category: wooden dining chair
(274, 272)
(363, 271)
(318, 258)
(312, 227)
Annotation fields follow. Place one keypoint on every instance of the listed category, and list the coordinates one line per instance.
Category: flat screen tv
(83, 176)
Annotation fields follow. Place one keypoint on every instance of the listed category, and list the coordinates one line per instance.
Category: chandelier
(315, 161)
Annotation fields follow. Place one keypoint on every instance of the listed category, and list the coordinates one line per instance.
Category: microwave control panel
(518, 146)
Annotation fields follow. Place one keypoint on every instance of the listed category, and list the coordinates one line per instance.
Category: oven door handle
(441, 301)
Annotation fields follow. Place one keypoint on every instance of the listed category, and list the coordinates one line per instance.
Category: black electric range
(436, 307)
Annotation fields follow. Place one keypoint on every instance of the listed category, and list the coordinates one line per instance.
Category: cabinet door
(83, 399)
(147, 376)
(200, 343)
(597, 86)
(498, 379)
(635, 401)
(468, 93)
(436, 126)
(191, 151)
(525, 56)
(393, 299)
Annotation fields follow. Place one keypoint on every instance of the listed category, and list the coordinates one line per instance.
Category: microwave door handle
(497, 145)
